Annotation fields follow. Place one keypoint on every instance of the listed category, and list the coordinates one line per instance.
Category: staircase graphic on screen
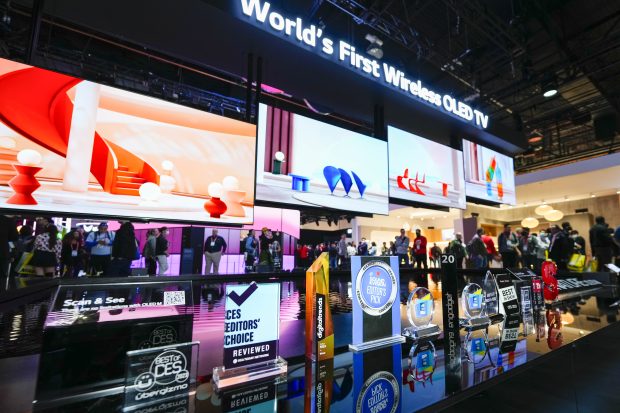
(35, 104)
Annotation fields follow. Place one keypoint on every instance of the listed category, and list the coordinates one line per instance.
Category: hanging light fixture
(543, 209)
(554, 215)
(529, 222)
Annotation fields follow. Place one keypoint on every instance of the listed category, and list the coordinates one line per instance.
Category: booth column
(81, 137)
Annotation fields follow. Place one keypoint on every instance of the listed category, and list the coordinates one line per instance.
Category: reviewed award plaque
(420, 310)
(474, 307)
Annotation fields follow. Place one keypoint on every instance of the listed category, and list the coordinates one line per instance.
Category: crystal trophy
(420, 310)
(477, 347)
(474, 307)
(422, 362)
(491, 300)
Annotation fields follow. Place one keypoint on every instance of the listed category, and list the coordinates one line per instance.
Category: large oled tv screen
(301, 161)
(424, 171)
(73, 146)
(489, 175)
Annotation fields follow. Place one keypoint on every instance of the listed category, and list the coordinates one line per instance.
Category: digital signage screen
(489, 175)
(301, 161)
(425, 171)
(73, 146)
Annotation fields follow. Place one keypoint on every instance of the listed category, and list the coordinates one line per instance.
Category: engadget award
(420, 311)
(473, 301)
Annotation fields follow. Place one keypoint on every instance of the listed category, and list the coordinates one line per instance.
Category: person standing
(478, 250)
(161, 251)
(507, 241)
(457, 248)
(148, 251)
(601, 242)
(100, 244)
(401, 244)
(559, 248)
(527, 246)
(8, 235)
(215, 246)
(373, 249)
(579, 242)
(542, 245)
(71, 256)
(23, 246)
(124, 250)
(351, 250)
(362, 248)
(333, 255)
(303, 256)
(385, 250)
(342, 250)
(419, 250)
(435, 255)
(276, 251)
(265, 240)
(250, 249)
(47, 249)
(490, 246)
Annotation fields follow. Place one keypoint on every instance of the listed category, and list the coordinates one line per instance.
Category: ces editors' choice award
(251, 335)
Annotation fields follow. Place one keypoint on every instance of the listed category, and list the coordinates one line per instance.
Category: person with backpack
(124, 251)
(100, 243)
(250, 249)
(477, 250)
(148, 252)
(457, 248)
(507, 245)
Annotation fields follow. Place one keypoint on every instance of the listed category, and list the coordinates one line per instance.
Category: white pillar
(81, 137)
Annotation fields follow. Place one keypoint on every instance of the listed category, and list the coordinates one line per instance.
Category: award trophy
(420, 310)
(477, 348)
(422, 363)
(474, 308)
(491, 300)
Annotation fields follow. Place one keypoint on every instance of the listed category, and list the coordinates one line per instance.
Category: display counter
(82, 362)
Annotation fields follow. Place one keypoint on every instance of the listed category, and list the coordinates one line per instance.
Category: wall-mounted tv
(424, 171)
(305, 162)
(102, 151)
(489, 175)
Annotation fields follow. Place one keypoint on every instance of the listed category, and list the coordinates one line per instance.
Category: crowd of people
(520, 248)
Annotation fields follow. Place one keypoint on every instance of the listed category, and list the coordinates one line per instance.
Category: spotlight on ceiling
(374, 49)
(535, 136)
(549, 87)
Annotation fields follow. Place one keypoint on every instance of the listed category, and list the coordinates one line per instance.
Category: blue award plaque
(376, 311)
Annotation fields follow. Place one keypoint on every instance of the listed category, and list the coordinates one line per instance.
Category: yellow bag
(592, 265)
(577, 262)
(23, 266)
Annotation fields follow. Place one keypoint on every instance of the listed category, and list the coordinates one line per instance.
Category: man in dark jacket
(601, 243)
(8, 233)
(215, 246)
(559, 248)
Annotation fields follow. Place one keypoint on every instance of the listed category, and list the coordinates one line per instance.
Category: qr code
(174, 297)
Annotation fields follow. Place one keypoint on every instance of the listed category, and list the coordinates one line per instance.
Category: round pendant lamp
(554, 215)
(543, 209)
(529, 222)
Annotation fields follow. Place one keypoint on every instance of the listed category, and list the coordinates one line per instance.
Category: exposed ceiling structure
(497, 55)
(501, 54)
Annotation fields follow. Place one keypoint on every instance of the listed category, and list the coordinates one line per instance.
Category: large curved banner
(73, 146)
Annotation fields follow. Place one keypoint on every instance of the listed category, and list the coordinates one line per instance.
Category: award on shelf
(491, 300)
(474, 307)
(319, 326)
(422, 362)
(477, 348)
(420, 310)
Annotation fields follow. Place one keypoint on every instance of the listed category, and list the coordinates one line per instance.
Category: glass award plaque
(420, 310)
(422, 362)
(491, 300)
(474, 307)
(476, 347)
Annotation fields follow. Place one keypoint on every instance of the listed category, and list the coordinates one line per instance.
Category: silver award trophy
(420, 310)
(473, 301)
(491, 299)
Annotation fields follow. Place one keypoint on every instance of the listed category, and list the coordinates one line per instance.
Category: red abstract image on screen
(69, 145)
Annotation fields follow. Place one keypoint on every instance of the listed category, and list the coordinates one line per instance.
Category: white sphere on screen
(7, 143)
(215, 190)
(167, 183)
(29, 157)
(279, 156)
(150, 192)
(230, 183)
(167, 166)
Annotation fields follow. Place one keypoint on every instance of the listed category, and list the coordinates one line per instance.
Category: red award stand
(24, 184)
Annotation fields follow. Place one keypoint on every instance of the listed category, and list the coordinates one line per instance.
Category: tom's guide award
(474, 307)
(376, 306)
(251, 334)
(420, 311)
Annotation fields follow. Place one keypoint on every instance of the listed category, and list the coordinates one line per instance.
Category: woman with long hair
(47, 249)
(124, 250)
(71, 256)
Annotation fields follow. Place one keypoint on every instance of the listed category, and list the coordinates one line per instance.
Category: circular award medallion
(473, 301)
(376, 288)
(379, 394)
